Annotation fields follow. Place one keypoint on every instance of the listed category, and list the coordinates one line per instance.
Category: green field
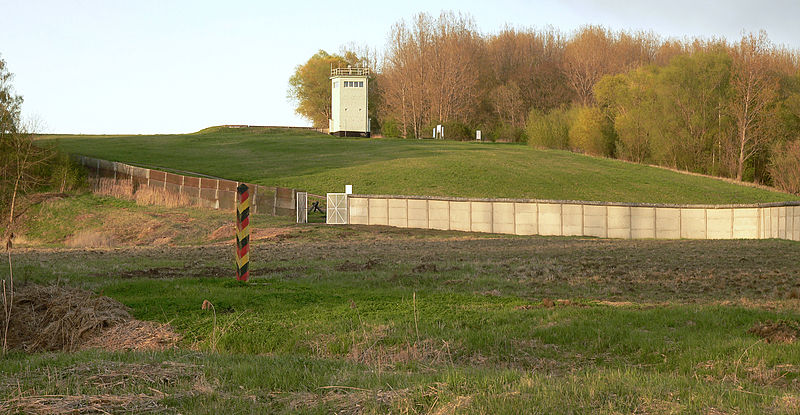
(319, 163)
(375, 320)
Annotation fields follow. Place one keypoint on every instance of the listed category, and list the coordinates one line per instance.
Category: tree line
(729, 109)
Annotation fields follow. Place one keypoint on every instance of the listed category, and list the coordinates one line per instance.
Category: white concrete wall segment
(782, 222)
(668, 223)
(526, 217)
(569, 218)
(417, 213)
(460, 216)
(549, 219)
(503, 217)
(378, 212)
(693, 223)
(774, 222)
(619, 222)
(398, 212)
(719, 223)
(594, 221)
(358, 210)
(481, 216)
(766, 223)
(746, 223)
(439, 214)
(643, 222)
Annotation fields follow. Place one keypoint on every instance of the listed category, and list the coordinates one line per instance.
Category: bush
(592, 133)
(391, 128)
(509, 132)
(550, 130)
(455, 130)
(784, 167)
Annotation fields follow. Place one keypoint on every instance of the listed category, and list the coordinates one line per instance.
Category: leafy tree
(310, 87)
(23, 167)
(592, 132)
(550, 130)
(10, 103)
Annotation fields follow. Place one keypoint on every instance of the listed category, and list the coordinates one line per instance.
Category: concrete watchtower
(349, 102)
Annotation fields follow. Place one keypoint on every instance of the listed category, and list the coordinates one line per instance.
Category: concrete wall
(570, 218)
(196, 191)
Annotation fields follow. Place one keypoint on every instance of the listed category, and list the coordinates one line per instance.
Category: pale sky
(161, 66)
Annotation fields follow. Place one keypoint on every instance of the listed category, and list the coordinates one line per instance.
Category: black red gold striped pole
(242, 232)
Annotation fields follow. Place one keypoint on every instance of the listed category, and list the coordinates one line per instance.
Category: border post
(242, 233)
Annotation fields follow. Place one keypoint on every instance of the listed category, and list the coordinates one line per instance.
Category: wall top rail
(579, 202)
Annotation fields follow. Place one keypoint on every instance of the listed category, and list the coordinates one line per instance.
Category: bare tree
(754, 89)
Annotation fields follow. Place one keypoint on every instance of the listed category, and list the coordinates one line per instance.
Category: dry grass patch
(142, 195)
(134, 335)
(89, 239)
(108, 378)
(82, 404)
(787, 404)
(783, 331)
(351, 400)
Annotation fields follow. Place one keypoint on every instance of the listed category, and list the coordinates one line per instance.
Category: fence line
(199, 191)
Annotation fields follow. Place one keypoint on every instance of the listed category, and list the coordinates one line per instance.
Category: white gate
(336, 211)
(302, 207)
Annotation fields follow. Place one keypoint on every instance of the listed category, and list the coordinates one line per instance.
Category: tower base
(351, 133)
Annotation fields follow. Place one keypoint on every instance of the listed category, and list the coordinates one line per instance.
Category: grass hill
(320, 163)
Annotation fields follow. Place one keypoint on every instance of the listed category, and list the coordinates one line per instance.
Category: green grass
(384, 320)
(319, 163)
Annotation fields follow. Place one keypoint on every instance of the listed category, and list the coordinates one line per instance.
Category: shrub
(550, 130)
(506, 131)
(592, 132)
(784, 167)
(391, 128)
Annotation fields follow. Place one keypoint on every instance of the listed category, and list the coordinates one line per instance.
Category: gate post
(302, 206)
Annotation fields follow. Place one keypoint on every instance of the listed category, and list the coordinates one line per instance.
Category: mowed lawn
(320, 163)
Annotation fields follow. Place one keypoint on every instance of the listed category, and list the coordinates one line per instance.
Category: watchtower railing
(350, 72)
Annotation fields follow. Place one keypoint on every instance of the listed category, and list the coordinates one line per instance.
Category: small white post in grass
(348, 189)
(478, 135)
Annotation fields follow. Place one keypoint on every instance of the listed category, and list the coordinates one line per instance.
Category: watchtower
(349, 102)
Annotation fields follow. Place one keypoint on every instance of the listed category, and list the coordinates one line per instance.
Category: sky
(163, 66)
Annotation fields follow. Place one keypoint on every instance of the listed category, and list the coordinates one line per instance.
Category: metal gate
(302, 207)
(337, 209)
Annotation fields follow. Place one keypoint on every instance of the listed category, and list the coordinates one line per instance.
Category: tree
(754, 95)
(10, 107)
(784, 166)
(25, 166)
(310, 87)
(430, 74)
(592, 133)
(595, 51)
(11, 172)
